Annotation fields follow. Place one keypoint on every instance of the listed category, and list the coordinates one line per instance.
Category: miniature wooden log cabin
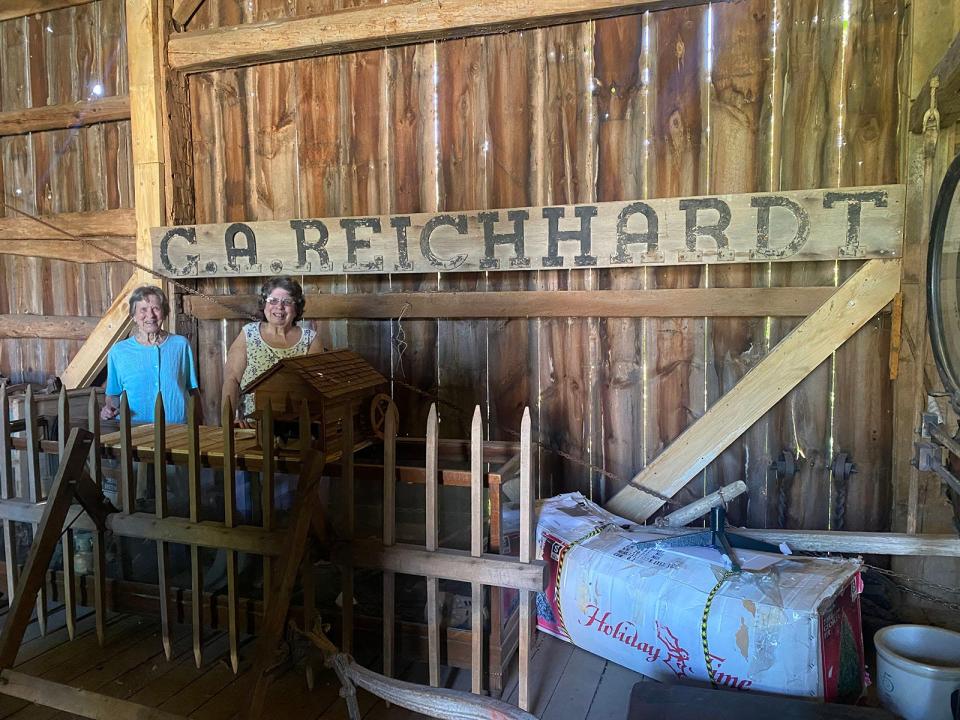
(337, 385)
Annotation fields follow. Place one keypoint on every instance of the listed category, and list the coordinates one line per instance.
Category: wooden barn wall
(62, 56)
(733, 97)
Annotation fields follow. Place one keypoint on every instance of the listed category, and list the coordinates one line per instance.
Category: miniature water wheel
(380, 405)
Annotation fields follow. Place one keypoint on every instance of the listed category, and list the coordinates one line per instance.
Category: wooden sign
(827, 224)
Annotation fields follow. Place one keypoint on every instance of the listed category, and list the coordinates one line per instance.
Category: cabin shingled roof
(333, 373)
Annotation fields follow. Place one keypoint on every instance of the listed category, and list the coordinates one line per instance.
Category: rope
(561, 556)
(707, 658)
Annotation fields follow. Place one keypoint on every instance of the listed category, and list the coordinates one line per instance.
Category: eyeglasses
(286, 302)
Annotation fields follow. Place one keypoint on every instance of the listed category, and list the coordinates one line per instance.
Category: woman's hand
(109, 412)
(243, 424)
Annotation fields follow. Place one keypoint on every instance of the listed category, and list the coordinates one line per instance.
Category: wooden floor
(566, 682)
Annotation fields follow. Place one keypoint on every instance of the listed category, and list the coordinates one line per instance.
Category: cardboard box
(788, 625)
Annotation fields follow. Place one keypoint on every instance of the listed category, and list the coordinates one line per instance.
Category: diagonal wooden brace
(861, 297)
(71, 482)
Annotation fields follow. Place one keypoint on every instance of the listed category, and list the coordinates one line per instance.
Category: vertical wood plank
(7, 492)
(431, 480)
(35, 489)
(230, 521)
(389, 535)
(463, 184)
(527, 544)
(99, 545)
(863, 425)
(476, 549)
(741, 78)
(412, 167)
(623, 150)
(160, 492)
(67, 544)
(193, 482)
(813, 36)
(675, 386)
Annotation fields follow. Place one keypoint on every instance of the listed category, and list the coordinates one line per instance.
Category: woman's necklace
(158, 340)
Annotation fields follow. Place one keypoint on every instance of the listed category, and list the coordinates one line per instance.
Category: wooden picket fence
(197, 446)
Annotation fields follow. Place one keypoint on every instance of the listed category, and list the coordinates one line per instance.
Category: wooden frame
(377, 27)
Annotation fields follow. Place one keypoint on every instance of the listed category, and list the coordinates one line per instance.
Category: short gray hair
(145, 291)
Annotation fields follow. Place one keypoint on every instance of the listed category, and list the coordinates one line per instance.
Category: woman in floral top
(262, 344)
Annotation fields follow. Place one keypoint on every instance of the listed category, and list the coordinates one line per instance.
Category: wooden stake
(527, 544)
(230, 521)
(160, 492)
(7, 492)
(128, 481)
(99, 546)
(433, 538)
(196, 573)
(35, 490)
(476, 549)
(68, 545)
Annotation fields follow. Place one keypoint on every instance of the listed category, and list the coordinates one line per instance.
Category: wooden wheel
(379, 406)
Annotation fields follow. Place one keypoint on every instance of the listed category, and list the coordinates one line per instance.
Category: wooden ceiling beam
(380, 26)
(65, 116)
(860, 298)
(106, 250)
(65, 226)
(11, 9)
(54, 237)
(48, 327)
(687, 302)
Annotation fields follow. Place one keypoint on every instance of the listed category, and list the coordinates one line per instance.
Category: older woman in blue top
(151, 361)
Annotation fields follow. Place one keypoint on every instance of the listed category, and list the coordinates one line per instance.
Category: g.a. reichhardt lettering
(802, 225)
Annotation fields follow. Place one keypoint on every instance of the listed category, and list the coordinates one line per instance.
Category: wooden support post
(69, 576)
(266, 494)
(44, 542)
(160, 508)
(128, 480)
(35, 489)
(433, 543)
(7, 492)
(193, 482)
(99, 544)
(528, 525)
(476, 550)
(275, 613)
(389, 535)
(346, 480)
(861, 297)
(230, 521)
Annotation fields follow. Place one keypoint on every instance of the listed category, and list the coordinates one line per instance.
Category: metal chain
(901, 580)
(120, 258)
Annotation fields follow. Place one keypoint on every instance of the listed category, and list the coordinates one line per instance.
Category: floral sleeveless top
(261, 357)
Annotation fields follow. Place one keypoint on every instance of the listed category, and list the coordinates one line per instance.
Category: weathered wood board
(828, 224)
